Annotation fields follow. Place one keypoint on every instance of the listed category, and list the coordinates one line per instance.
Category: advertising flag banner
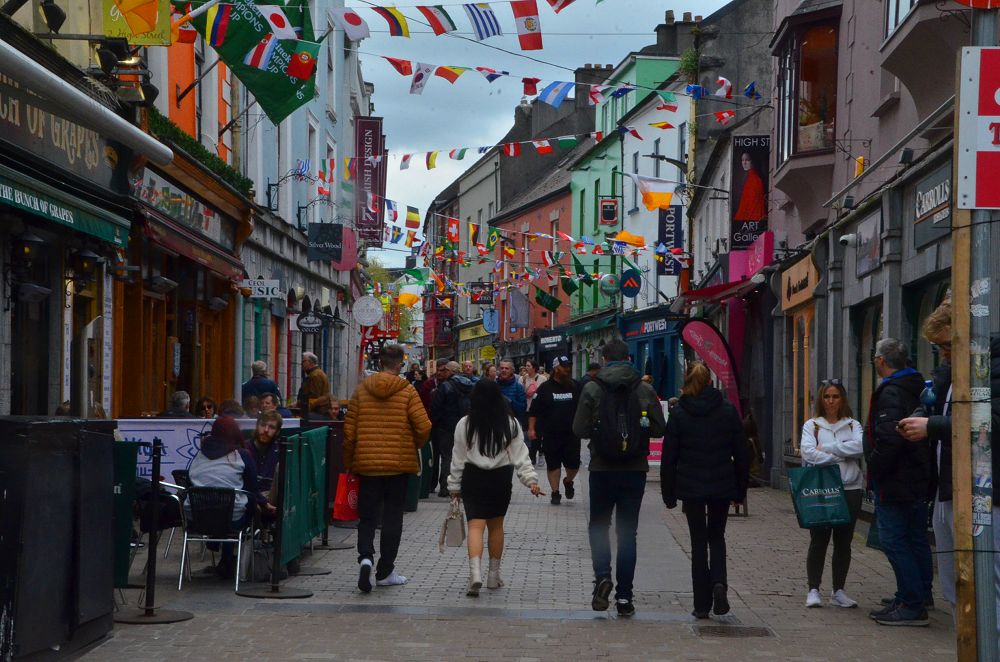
(140, 22)
(369, 141)
(751, 155)
(670, 234)
(706, 341)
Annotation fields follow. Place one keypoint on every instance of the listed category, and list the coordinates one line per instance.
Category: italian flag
(438, 18)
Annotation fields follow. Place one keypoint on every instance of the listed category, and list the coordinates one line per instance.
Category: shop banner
(706, 341)
(181, 439)
(481, 294)
(369, 146)
(929, 205)
(141, 23)
(671, 234)
(326, 242)
(751, 156)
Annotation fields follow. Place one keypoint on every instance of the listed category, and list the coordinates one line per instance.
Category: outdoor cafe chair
(182, 481)
(208, 517)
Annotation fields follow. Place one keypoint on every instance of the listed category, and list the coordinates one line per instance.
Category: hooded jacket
(840, 443)
(587, 411)
(899, 469)
(705, 451)
(385, 426)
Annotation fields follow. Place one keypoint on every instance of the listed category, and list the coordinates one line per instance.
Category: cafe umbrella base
(151, 616)
(273, 592)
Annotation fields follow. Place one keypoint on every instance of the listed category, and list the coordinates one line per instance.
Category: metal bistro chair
(182, 481)
(208, 517)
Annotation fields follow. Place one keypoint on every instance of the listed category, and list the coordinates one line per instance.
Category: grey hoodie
(614, 373)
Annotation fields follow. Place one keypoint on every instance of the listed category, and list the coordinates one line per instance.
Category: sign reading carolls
(263, 289)
(367, 311)
(979, 127)
(309, 323)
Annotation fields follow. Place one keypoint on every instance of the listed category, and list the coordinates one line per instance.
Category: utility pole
(976, 632)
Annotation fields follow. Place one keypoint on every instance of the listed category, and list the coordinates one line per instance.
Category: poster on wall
(670, 233)
(750, 185)
(369, 146)
(869, 250)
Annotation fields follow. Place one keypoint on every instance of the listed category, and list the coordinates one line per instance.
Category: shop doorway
(30, 362)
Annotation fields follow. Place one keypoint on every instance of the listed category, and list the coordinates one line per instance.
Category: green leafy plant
(688, 66)
(163, 128)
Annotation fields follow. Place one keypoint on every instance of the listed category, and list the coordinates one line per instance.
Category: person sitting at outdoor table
(270, 402)
(224, 462)
(205, 408)
(251, 406)
(264, 451)
(231, 408)
(324, 408)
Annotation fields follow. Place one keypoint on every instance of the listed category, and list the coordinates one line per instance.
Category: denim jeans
(902, 531)
(619, 492)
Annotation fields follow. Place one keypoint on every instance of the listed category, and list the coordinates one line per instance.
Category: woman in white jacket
(832, 436)
(489, 448)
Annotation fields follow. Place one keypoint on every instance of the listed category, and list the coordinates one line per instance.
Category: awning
(713, 294)
(592, 325)
(34, 197)
(175, 238)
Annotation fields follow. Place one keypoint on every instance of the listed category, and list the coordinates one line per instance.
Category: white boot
(475, 577)
(493, 576)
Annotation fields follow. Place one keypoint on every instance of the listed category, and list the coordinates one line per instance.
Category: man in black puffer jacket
(900, 472)
(451, 403)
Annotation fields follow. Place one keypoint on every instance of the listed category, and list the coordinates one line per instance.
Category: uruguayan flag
(483, 20)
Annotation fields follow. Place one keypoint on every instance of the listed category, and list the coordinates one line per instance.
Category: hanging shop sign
(631, 283)
(178, 205)
(549, 341)
(930, 206)
(609, 284)
(979, 129)
(670, 234)
(263, 289)
(609, 211)
(326, 242)
(309, 322)
(369, 148)
(798, 283)
(481, 294)
(488, 353)
(751, 155)
(491, 320)
(367, 311)
(869, 249)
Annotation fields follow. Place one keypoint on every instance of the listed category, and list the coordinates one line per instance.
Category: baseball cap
(560, 360)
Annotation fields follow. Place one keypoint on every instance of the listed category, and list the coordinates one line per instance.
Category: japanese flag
(280, 25)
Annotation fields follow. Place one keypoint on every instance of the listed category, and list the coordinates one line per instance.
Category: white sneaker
(394, 579)
(814, 599)
(841, 599)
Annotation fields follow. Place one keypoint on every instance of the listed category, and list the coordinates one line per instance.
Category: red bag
(345, 504)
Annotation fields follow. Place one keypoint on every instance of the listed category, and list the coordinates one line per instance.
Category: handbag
(818, 496)
(345, 503)
(453, 528)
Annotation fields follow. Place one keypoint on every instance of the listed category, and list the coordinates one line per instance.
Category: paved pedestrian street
(544, 612)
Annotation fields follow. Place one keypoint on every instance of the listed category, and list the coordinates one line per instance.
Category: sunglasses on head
(831, 382)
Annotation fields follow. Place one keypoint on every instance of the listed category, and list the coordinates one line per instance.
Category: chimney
(587, 75)
(687, 17)
(697, 18)
(669, 19)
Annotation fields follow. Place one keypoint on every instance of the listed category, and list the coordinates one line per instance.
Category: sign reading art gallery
(751, 156)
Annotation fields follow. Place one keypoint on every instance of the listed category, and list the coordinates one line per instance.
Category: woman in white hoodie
(832, 436)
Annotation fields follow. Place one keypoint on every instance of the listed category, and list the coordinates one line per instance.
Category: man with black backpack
(450, 404)
(619, 413)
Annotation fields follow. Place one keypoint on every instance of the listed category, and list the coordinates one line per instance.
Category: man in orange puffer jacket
(385, 427)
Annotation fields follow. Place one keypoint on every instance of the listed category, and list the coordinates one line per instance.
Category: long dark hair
(489, 420)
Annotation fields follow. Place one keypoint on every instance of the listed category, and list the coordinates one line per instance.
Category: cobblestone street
(544, 611)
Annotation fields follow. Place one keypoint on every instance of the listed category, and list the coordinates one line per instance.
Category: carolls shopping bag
(345, 503)
(818, 496)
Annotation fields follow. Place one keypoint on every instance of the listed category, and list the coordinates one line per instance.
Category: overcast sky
(473, 112)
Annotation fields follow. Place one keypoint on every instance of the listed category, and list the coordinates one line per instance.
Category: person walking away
(706, 464)
(550, 425)
(385, 427)
(932, 423)
(619, 414)
(833, 437)
(259, 382)
(900, 472)
(451, 403)
(591, 374)
(489, 448)
(314, 385)
(531, 379)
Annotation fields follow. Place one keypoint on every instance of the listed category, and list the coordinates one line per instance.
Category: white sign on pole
(979, 129)
(263, 288)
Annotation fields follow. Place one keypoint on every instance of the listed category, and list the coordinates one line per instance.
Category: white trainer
(841, 599)
(394, 579)
(814, 599)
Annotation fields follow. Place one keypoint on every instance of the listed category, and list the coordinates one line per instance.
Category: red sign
(979, 127)
(369, 147)
(980, 4)
(712, 348)
(761, 253)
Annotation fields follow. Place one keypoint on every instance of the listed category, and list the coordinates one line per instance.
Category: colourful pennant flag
(439, 20)
(656, 193)
(492, 238)
(420, 77)
(531, 86)
(542, 146)
(391, 210)
(695, 91)
(725, 88)
(404, 161)
(354, 26)
(450, 74)
(596, 96)
(550, 259)
(412, 218)
(482, 250)
(217, 23)
(750, 91)
(629, 129)
(350, 169)
(569, 286)
(259, 57)
(555, 93)
(623, 90)
(432, 160)
(371, 203)
(509, 251)
(597, 250)
(281, 27)
(724, 117)
(303, 62)
(567, 142)
(512, 149)
(458, 153)
(320, 190)
(543, 298)
(484, 21)
(491, 74)
(581, 271)
(529, 28)
(395, 235)
(473, 233)
(667, 96)
(671, 107)
(661, 125)
(404, 67)
(597, 135)
(395, 19)
(559, 5)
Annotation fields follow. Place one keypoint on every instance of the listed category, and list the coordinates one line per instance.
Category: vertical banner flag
(140, 23)
(369, 141)
(706, 341)
(670, 234)
(484, 21)
(529, 29)
(751, 155)
(453, 230)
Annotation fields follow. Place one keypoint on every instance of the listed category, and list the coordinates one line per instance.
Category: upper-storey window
(807, 93)
(896, 12)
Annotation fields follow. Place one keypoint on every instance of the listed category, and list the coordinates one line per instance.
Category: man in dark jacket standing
(615, 486)
(900, 472)
(451, 403)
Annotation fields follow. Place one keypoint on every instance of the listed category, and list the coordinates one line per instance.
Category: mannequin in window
(753, 203)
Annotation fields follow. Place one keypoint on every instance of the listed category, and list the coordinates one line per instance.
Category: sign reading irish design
(749, 193)
(369, 148)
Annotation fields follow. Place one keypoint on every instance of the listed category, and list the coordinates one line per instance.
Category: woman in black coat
(706, 464)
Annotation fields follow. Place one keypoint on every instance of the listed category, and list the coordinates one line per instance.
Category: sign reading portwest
(263, 289)
(979, 129)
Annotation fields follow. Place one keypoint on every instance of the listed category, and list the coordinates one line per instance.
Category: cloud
(473, 112)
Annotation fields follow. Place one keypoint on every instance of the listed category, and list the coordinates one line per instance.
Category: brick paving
(543, 612)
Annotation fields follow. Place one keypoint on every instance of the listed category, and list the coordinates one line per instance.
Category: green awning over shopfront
(39, 199)
(592, 325)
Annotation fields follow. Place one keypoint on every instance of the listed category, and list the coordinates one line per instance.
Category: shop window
(802, 328)
(870, 334)
(807, 89)
(896, 12)
(926, 356)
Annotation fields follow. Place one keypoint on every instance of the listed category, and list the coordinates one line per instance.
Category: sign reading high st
(979, 130)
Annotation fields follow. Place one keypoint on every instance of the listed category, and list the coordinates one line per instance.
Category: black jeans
(707, 524)
(819, 540)
(383, 495)
(444, 442)
(619, 492)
